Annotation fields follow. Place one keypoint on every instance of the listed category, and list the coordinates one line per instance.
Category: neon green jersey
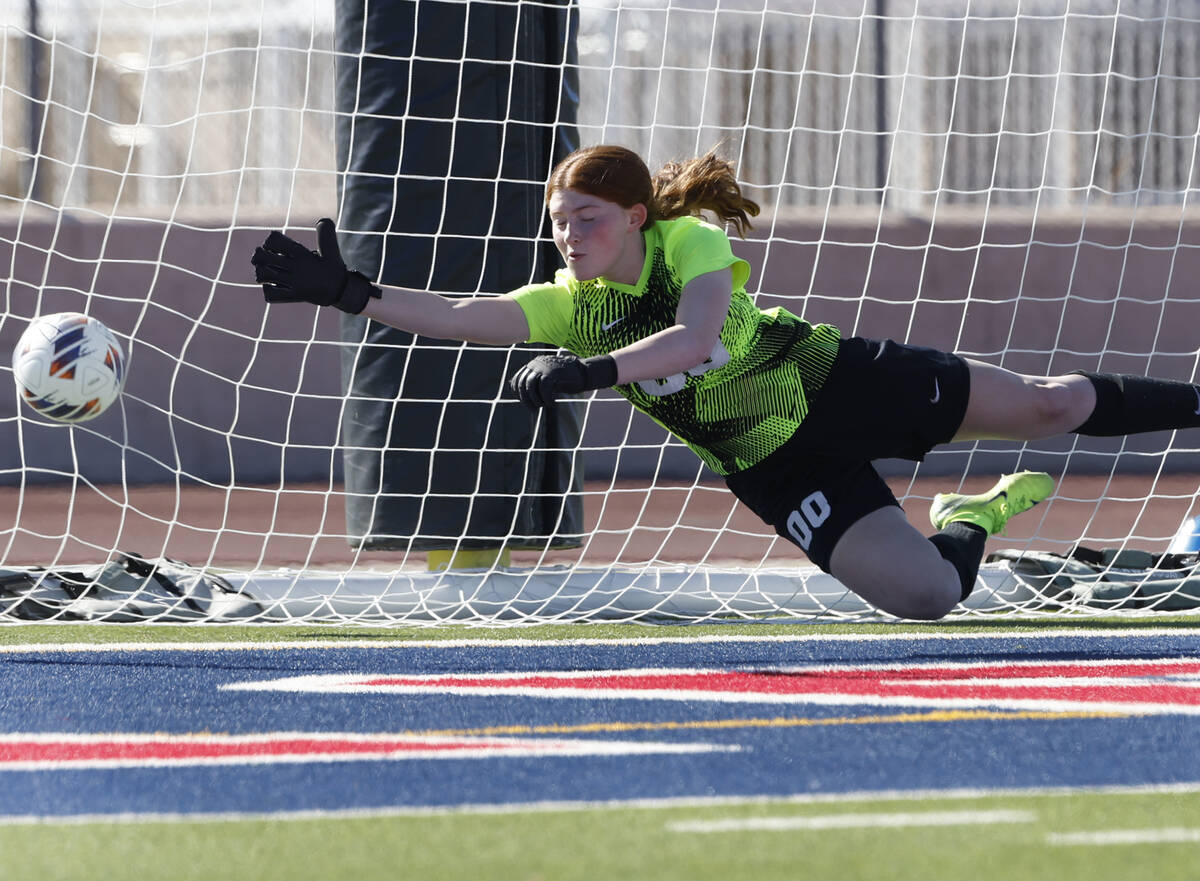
(750, 395)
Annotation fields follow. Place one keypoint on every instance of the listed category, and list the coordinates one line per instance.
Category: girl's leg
(885, 560)
(1009, 406)
(891, 565)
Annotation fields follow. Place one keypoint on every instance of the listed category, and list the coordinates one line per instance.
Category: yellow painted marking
(467, 558)
(775, 722)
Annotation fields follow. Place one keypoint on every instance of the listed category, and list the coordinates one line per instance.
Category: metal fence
(214, 107)
(208, 107)
(1000, 101)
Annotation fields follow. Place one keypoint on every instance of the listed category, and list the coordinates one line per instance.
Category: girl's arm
(495, 321)
(291, 273)
(689, 342)
(703, 307)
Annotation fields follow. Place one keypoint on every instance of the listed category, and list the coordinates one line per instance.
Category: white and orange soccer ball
(69, 367)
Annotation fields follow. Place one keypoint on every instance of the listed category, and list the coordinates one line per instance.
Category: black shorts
(881, 400)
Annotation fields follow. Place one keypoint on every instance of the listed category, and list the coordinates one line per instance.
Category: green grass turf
(36, 633)
(622, 843)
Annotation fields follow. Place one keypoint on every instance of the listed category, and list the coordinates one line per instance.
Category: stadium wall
(210, 364)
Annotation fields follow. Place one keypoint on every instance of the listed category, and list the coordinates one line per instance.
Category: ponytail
(704, 183)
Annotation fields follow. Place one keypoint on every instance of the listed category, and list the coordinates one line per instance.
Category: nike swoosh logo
(613, 323)
(937, 392)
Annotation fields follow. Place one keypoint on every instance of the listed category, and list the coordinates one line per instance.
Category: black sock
(962, 545)
(1133, 404)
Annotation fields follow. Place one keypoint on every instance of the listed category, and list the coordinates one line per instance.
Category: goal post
(449, 117)
(1009, 180)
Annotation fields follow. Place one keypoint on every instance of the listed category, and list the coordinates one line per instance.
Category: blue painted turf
(180, 692)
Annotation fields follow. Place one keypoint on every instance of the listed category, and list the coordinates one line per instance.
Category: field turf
(713, 786)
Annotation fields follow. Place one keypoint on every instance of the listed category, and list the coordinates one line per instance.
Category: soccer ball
(68, 367)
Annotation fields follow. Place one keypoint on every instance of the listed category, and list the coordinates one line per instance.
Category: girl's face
(597, 237)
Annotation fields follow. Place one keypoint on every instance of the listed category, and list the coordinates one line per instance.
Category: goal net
(1009, 180)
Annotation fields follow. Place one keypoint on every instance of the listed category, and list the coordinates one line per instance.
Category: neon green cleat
(991, 510)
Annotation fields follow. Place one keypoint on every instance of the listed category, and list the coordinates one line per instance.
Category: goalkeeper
(653, 302)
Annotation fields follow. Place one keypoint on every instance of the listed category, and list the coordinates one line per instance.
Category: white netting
(1010, 180)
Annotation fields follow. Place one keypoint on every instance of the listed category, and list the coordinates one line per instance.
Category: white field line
(331, 681)
(1127, 836)
(548, 750)
(541, 807)
(559, 687)
(852, 821)
(521, 642)
(297, 747)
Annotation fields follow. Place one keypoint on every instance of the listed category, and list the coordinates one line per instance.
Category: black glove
(542, 380)
(290, 273)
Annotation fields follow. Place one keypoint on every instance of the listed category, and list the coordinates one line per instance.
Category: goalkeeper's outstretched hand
(290, 273)
(542, 380)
